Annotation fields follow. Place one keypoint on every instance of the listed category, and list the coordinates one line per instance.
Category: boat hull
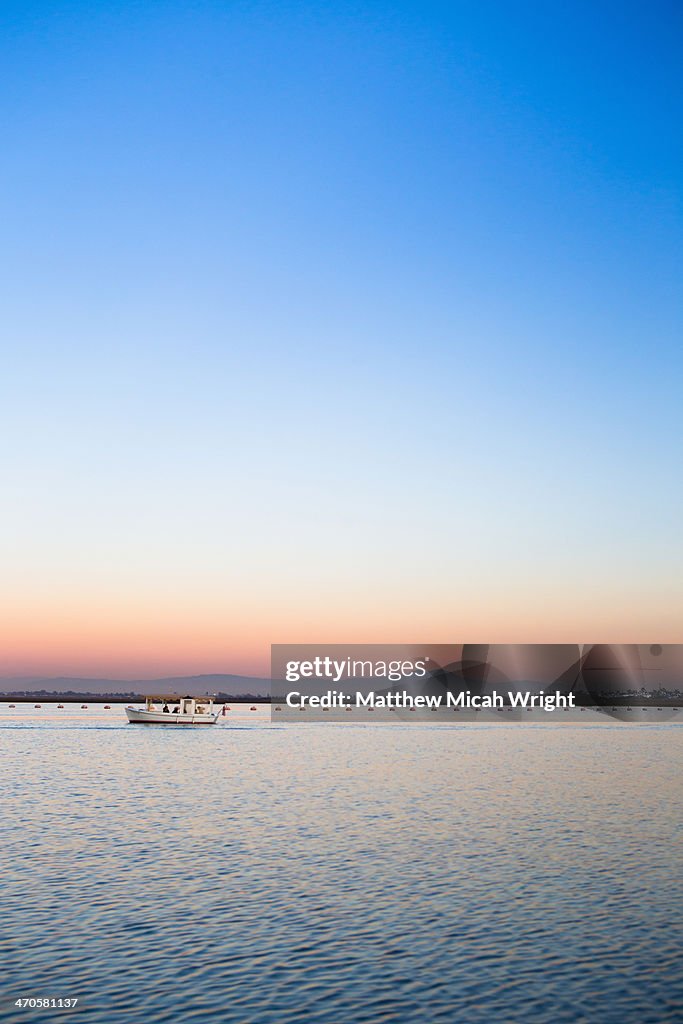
(136, 716)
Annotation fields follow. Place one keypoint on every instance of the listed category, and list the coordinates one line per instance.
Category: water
(340, 873)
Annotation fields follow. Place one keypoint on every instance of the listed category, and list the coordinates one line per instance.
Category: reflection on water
(335, 873)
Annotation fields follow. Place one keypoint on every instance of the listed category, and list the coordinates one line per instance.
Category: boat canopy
(175, 697)
(173, 704)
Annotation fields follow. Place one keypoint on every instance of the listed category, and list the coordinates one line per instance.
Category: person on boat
(166, 708)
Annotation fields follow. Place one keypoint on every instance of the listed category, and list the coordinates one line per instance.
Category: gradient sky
(342, 322)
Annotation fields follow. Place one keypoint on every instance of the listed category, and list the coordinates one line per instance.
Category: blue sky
(339, 320)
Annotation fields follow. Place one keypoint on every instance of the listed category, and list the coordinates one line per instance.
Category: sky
(337, 322)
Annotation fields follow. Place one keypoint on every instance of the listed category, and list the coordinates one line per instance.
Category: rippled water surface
(340, 873)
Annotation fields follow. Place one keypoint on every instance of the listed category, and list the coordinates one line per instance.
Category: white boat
(174, 710)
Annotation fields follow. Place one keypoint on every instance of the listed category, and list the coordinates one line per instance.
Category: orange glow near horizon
(141, 639)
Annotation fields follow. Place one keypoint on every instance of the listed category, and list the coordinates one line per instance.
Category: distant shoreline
(71, 697)
(74, 696)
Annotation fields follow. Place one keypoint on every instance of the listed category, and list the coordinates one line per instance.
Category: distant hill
(193, 685)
